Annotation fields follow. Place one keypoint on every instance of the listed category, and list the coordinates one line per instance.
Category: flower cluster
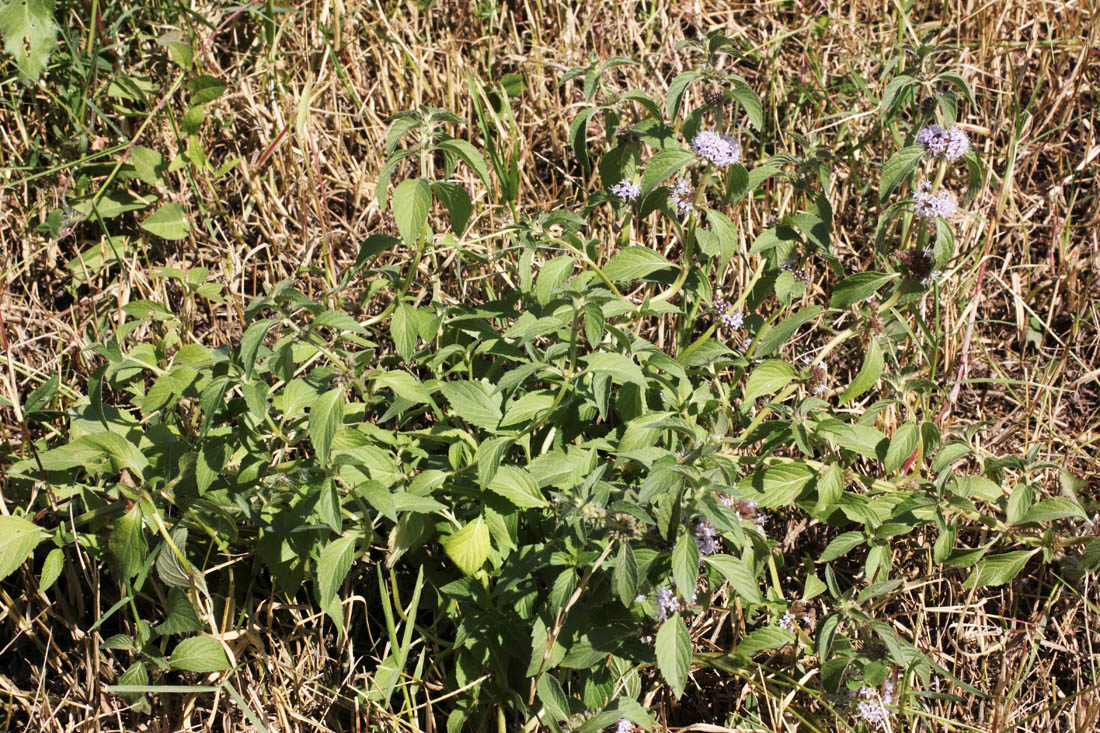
(626, 190)
(707, 537)
(624, 726)
(819, 379)
(930, 205)
(731, 319)
(667, 603)
(871, 705)
(681, 196)
(949, 144)
(721, 150)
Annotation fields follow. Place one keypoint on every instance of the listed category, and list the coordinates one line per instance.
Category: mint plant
(538, 492)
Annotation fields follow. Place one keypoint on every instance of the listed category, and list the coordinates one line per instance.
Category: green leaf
(474, 403)
(855, 288)
(457, 201)
(325, 418)
(251, 340)
(621, 368)
(30, 34)
(944, 248)
(553, 698)
(127, 544)
(403, 330)
(897, 169)
(169, 568)
(754, 109)
(1051, 509)
(551, 276)
(51, 569)
(778, 485)
(469, 155)
(661, 166)
(739, 576)
(868, 373)
(896, 86)
(772, 338)
(123, 453)
(410, 202)
(764, 639)
(206, 89)
(685, 564)
(168, 222)
(676, 91)
(901, 447)
(633, 262)
(199, 654)
(578, 136)
(674, 653)
(469, 547)
(404, 385)
(18, 540)
(841, 545)
(333, 564)
(768, 378)
(998, 569)
(626, 575)
(180, 616)
(338, 321)
(517, 486)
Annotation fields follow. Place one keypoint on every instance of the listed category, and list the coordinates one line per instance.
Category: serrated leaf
(901, 446)
(857, 287)
(625, 575)
(199, 654)
(18, 538)
(777, 485)
(738, 575)
(180, 616)
(944, 248)
(754, 109)
(768, 378)
(127, 544)
(634, 262)
(764, 639)
(403, 330)
(998, 569)
(685, 564)
(410, 202)
(868, 373)
(772, 338)
(896, 86)
(51, 569)
(326, 416)
(458, 204)
(168, 222)
(169, 568)
(469, 155)
(1050, 509)
(251, 340)
(333, 564)
(841, 545)
(621, 368)
(404, 385)
(676, 89)
(469, 547)
(897, 169)
(662, 165)
(517, 486)
(30, 34)
(673, 648)
(474, 403)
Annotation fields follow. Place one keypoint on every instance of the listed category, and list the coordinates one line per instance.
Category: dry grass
(306, 115)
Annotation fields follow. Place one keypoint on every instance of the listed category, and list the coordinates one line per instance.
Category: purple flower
(667, 603)
(872, 706)
(721, 150)
(788, 622)
(931, 205)
(681, 196)
(707, 537)
(731, 319)
(950, 144)
(624, 726)
(626, 190)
